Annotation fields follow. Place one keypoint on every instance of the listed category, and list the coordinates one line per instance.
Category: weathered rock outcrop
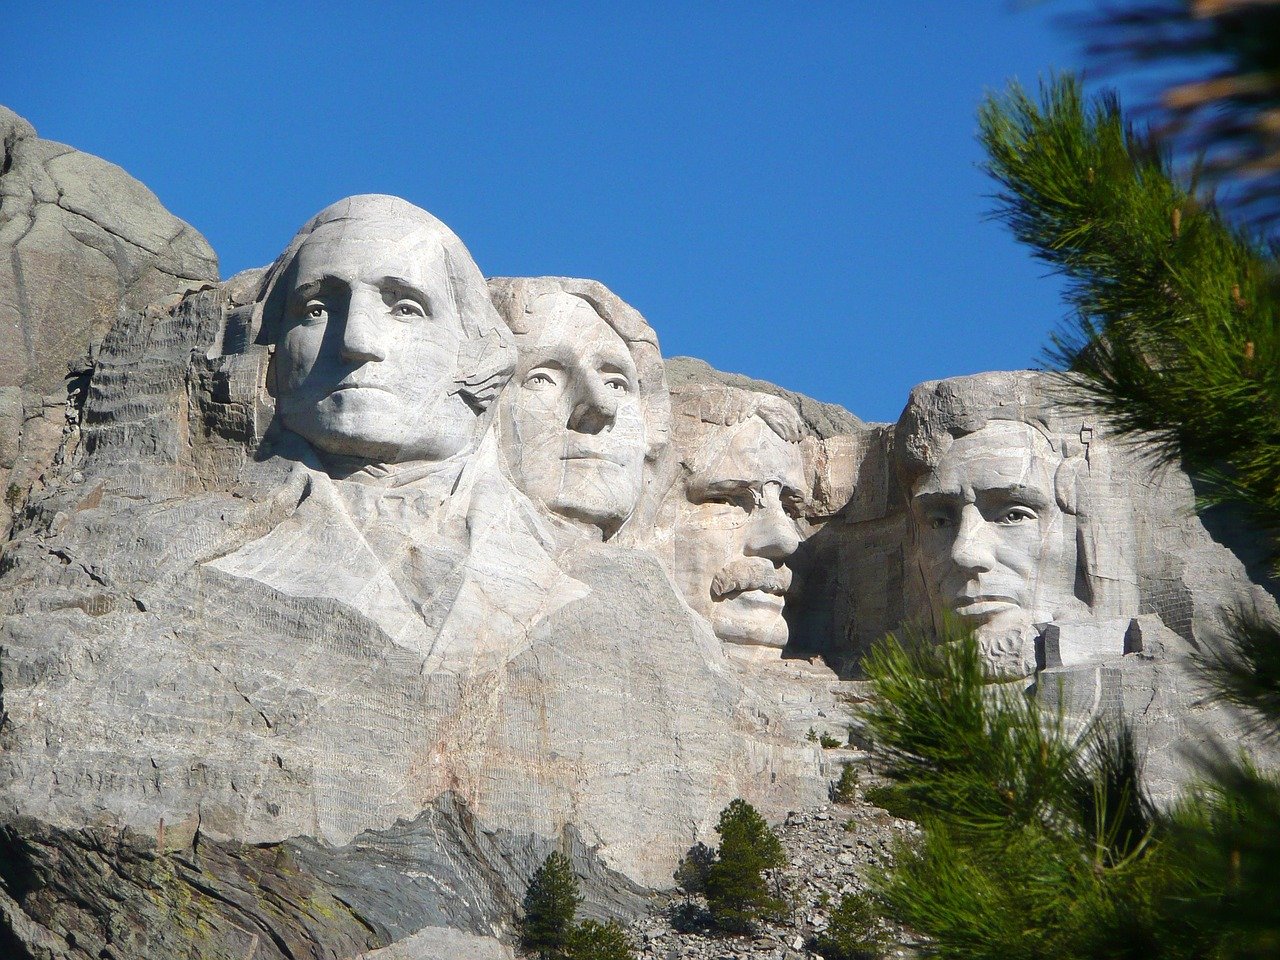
(82, 244)
(358, 584)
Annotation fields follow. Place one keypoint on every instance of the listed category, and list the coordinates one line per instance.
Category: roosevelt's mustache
(751, 573)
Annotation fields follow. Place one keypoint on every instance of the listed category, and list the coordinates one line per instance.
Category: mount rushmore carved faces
(744, 483)
(587, 405)
(993, 505)
(387, 344)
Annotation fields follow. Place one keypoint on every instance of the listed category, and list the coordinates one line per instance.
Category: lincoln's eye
(617, 383)
(1016, 515)
(408, 309)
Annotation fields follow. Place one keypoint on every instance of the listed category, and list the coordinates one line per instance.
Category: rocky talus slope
(832, 850)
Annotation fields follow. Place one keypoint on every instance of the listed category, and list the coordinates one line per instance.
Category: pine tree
(1035, 846)
(1177, 337)
(599, 941)
(736, 888)
(549, 907)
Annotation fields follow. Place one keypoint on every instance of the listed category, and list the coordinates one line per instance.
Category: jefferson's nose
(971, 549)
(362, 339)
(772, 532)
(595, 410)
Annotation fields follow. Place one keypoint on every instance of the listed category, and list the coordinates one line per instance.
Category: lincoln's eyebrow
(1021, 493)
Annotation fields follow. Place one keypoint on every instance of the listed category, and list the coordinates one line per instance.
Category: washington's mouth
(348, 387)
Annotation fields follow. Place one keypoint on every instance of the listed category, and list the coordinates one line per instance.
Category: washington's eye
(1016, 515)
(539, 379)
(315, 310)
(407, 309)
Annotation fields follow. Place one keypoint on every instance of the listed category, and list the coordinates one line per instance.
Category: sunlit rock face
(320, 604)
(995, 518)
(384, 331)
(358, 584)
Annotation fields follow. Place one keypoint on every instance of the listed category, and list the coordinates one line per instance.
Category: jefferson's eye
(407, 309)
(1017, 515)
(539, 379)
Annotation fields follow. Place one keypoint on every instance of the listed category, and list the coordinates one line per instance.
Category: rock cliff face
(82, 244)
(358, 584)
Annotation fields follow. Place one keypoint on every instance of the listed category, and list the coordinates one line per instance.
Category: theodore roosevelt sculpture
(586, 415)
(742, 483)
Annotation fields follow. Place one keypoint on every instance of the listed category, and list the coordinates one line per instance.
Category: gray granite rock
(82, 244)
(823, 419)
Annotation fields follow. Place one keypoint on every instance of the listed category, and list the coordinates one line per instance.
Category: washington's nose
(772, 533)
(972, 547)
(595, 410)
(362, 340)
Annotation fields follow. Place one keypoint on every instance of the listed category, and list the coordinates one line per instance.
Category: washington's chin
(752, 618)
(374, 425)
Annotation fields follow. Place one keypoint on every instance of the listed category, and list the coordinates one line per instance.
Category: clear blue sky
(788, 190)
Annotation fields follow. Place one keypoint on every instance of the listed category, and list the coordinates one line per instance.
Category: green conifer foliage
(852, 931)
(1036, 845)
(1176, 337)
(737, 890)
(599, 941)
(549, 907)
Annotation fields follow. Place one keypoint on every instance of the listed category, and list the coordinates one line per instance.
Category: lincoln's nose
(971, 549)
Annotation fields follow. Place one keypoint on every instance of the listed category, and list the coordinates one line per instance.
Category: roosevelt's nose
(363, 340)
(972, 548)
(772, 532)
(595, 408)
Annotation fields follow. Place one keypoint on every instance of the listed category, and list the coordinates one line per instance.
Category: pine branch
(1175, 335)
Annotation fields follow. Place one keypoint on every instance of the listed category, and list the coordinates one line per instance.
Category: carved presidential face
(738, 528)
(995, 547)
(369, 344)
(573, 421)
